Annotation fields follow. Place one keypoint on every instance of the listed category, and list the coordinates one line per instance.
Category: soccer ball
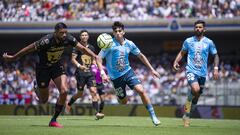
(104, 41)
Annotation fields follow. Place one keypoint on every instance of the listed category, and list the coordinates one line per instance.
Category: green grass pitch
(86, 125)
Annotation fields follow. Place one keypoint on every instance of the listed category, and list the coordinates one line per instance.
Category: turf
(86, 125)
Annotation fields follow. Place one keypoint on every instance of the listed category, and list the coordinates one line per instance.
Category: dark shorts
(120, 83)
(45, 74)
(100, 89)
(191, 78)
(83, 80)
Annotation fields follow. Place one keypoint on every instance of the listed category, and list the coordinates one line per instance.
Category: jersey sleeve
(185, 46)
(72, 40)
(42, 43)
(134, 49)
(212, 48)
(74, 50)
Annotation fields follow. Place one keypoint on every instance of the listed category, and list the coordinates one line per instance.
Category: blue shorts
(120, 83)
(191, 78)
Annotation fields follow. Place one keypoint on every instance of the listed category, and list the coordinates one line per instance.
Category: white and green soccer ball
(104, 41)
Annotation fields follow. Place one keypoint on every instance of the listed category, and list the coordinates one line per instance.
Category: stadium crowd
(17, 81)
(88, 10)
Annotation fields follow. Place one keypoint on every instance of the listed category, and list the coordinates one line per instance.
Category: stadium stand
(88, 10)
(17, 81)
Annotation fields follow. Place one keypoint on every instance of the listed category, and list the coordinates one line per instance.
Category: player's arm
(85, 50)
(76, 63)
(179, 57)
(216, 63)
(99, 62)
(145, 61)
(26, 50)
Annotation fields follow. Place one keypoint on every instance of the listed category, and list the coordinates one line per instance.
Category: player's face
(199, 29)
(61, 34)
(84, 37)
(118, 33)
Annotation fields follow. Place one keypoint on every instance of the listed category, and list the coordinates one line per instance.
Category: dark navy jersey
(50, 51)
(84, 59)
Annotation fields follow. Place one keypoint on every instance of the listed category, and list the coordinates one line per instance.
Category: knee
(63, 91)
(141, 92)
(196, 90)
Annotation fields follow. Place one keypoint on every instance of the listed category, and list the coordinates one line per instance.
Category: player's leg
(193, 92)
(72, 100)
(41, 85)
(146, 101)
(80, 86)
(134, 83)
(60, 80)
(119, 87)
(92, 86)
(101, 93)
(201, 81)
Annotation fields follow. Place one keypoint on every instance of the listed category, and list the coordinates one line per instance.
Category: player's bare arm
(179, 57)
(76, 63)
(30, 48)
(85, 50)
(104, 76)
(216, 62)
(145, 61)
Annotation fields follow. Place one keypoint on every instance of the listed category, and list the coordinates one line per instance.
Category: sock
(188, 104)
(58, 110)
(194, 104)
(150, 109)
(95, 106)
(71, 101)
(101, 106)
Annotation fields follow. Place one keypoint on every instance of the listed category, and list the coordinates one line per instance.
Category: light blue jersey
(198, 54)
(117, 62)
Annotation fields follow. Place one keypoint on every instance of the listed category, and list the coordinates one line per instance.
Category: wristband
(215, 68)
(78, 65)
(102, 72)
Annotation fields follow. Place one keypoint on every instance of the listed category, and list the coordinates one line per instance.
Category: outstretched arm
(216, 62)
(102, 72)
(145, 61)
(30, 48)
(85, 50)
(179, 57)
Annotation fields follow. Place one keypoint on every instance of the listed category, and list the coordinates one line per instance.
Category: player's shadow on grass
(39, 125)
(120, 126)
(79, 119)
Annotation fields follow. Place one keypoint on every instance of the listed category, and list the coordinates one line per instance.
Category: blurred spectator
(88, 10)
(17, 82)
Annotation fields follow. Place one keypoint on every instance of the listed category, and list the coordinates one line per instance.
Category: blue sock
(150, 109)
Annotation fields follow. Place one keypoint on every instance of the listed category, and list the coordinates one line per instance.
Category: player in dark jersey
(50, 49)
(84, 75)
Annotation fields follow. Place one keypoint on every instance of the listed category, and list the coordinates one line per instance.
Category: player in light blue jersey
(197, 48)
(120, 72)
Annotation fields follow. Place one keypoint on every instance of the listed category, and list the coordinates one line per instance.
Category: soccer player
(197, 49)
(84, 75)
(120, 72)
(50, 49)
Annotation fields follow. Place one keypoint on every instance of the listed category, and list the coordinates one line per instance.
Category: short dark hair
(82, 31)
(60, 25)
(200, 22)
(117, 24)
